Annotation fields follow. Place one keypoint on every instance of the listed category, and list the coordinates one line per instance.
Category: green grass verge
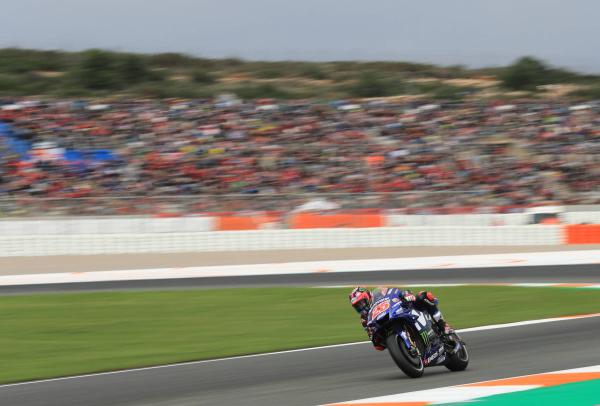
(63, 334)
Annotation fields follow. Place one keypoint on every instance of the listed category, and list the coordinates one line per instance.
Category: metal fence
(406, 202)
(180, 205)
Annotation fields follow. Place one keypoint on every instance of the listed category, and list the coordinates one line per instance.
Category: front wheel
(460, 360)
(411, 365)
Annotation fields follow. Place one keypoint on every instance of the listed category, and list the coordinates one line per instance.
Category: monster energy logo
(425, 338)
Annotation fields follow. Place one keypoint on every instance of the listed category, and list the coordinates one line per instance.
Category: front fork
(410, 344)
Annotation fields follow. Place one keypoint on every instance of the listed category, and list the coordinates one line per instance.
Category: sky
(475, 33)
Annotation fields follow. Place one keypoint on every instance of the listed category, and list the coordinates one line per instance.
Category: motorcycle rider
(361, 300)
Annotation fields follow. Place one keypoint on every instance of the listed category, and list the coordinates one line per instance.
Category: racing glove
(428, 298)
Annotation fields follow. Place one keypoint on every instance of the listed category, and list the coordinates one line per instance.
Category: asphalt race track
(327, 375)
(320, 376)
(522, 274)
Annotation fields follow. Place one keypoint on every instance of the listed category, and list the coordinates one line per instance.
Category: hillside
(97, 73)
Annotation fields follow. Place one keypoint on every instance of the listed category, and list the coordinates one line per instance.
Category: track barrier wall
(277, 230)
(162, 223)
(249, 240)
(106, 225)
(511, 219)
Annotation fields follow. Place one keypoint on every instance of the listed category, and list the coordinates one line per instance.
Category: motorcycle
(411, 336)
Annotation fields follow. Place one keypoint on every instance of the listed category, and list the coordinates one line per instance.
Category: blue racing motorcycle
(411, 336)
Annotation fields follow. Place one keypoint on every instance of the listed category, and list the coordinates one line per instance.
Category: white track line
(466, 330)
(499, 284)
(465, 393)
(527, 323)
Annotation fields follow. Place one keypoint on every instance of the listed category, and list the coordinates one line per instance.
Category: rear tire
(460, 360)
(410, 365)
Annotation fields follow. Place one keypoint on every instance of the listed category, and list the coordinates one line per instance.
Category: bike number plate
(380, 308)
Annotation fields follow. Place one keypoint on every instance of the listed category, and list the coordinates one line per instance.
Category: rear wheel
(409, 362)
(460, 360)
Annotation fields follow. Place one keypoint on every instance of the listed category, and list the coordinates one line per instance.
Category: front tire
(409, 364)
(460, 360)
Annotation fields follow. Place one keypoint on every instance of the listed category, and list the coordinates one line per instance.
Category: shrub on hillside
(588, 93)
(525, 74)
(170, 60)
(449, 92)
(263, 90)
(98, 70)
(313, 72)
(15, 60)
(270, 72)
(203, 77)
(370, 84)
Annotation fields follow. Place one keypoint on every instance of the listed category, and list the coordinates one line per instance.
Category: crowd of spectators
(468, 153)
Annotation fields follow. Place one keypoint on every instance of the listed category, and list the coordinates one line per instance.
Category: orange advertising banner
(257, 222)
(582, 234)
(338, 220)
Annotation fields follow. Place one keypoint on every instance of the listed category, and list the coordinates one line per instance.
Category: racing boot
(443, 328)
(449, 338)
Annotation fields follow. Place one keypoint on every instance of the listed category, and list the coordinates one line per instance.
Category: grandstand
(204, 156)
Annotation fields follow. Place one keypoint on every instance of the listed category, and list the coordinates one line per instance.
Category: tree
(369, 85)
(525, 74)
(97, 70)
(133, 69)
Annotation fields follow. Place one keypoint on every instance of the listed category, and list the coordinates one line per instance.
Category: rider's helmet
(360, 299)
